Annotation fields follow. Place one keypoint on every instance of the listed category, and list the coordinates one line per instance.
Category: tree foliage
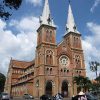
(98, 79)
(11, 4)
(82, 82)
(2, 82)
(94, 66)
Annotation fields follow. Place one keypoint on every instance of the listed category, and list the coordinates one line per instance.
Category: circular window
(64, 60)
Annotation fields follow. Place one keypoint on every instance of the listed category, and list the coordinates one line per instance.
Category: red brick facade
(52, 69)
(54, 66)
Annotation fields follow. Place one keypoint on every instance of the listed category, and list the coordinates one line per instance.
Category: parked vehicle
(28, 96)
(5, 96)
(46, 97)
(91, 97)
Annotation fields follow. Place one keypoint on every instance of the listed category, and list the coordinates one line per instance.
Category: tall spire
(46, 15)
(70, 26)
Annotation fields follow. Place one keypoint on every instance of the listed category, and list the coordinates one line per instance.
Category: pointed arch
(64, 88)
(78, 61)
(49, 57)
(48, 87)
(47, 35)
(50, 36)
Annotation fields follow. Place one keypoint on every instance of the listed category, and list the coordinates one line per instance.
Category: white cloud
(35, 2)
(26, 24)
(21, 46)
(97, 2)
(91, 46)
(2, 25)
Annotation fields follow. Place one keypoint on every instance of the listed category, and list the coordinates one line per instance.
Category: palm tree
(94, 66)
(82, 83)
(86, 83)
(78, 81)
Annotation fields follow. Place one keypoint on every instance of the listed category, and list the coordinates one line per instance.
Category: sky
(18, 34)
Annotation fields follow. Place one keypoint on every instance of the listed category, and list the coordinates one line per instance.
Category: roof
(21, 64)
(70, 26)
(46, 15)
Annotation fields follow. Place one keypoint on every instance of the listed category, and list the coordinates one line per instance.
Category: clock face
(64, 61)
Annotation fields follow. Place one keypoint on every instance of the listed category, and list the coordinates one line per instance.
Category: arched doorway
(48, 88)
(64, 88)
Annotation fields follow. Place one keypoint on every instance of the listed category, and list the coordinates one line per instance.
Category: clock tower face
(64, 60)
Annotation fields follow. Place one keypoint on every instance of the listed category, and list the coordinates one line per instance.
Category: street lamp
(94, 66)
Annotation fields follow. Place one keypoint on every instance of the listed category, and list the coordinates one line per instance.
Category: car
(91, 97)
(28, 96)
(46, 97)
(5, 96)
(43, 97)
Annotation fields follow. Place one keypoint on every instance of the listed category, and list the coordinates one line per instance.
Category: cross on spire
(69, 1)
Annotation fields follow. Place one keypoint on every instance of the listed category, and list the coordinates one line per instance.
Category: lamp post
(94, 66)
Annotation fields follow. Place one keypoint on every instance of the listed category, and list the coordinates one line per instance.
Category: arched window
(49, 57)
(61, 70)
(47, 70)
(65, 70)
(48, 88)
(78, 61)
(50, 70)
(64, 88)
(49, 36)
(51, 60)
(76, 41)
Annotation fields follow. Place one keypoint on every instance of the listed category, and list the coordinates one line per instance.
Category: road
(20, 98)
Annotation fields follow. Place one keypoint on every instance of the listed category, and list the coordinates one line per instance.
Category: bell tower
(73, 40)
(46, 53)
(46, 38)
(47, 29)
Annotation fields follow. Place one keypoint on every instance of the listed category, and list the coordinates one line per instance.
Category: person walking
(81, 96)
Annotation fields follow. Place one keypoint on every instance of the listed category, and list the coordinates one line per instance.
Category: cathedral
(55, 64)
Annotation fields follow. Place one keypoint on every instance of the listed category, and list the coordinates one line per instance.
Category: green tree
(2, 82)
(97, 84)
(11, 4)
(94, 67)
(86, 83)
(82, 83)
